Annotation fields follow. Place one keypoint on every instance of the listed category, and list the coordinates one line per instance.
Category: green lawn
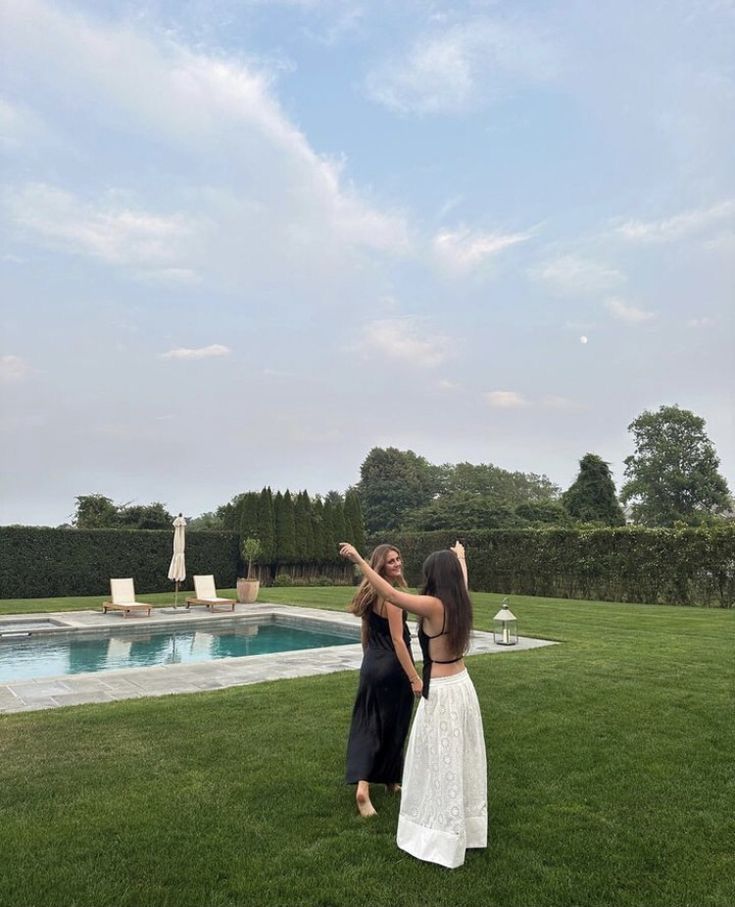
(611, 780)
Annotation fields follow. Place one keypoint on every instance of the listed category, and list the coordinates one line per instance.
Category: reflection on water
(47, 656)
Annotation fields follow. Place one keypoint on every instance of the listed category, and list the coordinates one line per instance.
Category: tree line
(672, 478)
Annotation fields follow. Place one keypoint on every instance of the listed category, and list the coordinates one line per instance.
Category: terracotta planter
(247, 590)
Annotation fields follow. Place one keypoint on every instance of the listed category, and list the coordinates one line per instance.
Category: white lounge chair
(205, 594)
(122, 592)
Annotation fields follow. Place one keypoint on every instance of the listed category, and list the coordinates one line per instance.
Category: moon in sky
(583, 339)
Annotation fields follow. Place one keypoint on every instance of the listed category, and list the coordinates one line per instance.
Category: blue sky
(245, 242)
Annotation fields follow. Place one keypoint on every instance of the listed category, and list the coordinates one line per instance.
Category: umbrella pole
(176, 595)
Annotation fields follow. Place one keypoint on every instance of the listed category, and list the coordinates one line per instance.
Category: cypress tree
(304, 528)
(339, 522)
(266, 524)
(317, 508)
(249, 515)
(283, 509)
(329, 542)
(353, 516)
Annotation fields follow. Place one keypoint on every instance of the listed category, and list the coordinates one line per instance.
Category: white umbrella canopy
(177, 568)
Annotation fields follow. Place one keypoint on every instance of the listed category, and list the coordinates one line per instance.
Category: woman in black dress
(389, 682)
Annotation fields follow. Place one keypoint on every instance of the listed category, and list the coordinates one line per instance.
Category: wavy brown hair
(443, 578)
(366, 596)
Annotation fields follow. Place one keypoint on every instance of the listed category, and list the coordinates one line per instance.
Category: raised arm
(423, 605)
(458, 549)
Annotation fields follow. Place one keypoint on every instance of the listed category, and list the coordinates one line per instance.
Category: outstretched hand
(349, 552)
(458, 549)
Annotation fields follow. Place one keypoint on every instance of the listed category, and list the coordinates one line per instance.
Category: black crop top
(424, 642)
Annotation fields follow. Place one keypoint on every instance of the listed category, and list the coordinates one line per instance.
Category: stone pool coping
(195, 677)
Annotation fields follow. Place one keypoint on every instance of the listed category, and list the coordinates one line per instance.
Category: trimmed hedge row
(43, 563)
(661, 566)
(629, 564)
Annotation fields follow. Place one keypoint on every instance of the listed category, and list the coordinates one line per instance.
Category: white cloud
(680, 226)
(13, 369)
(629, 313)
(701, 322)
(572, 275)
(203, 352)
(464, 250)
(280, 199)
(116, 234)
(404, 340)
(461, 67)
(506, 399)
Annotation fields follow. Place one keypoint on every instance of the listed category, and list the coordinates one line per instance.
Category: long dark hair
(443, 578)
(366, 596)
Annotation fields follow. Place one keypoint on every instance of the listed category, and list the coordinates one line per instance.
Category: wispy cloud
(464, 250)
(573, 275)
(13, 369)
(628, 313)
(405, 340)
(461, 67)
(679, 226)
(115, 233)
(506, 399)
(202, 352)
(205, 107)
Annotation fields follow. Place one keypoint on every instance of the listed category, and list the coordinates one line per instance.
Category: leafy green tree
(543, 513)
(392, 483)
(145, 516)
(208, 520)
(498, 486)
(591, 497)
(463, 511)
(95, 511)
(673, 474)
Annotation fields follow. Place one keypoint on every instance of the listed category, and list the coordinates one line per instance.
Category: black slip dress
(382, 711)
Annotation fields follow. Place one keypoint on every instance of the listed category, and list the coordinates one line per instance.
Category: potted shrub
(248, 586)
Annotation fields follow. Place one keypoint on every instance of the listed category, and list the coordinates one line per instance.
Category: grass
(611, 780)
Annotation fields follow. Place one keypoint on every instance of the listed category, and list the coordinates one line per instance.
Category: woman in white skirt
(444, 798)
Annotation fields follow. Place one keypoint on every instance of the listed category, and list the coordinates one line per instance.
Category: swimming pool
(66, 653)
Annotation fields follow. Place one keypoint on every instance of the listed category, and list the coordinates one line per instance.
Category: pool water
(52, 655)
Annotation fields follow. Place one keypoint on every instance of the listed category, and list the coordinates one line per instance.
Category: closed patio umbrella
(177, 569)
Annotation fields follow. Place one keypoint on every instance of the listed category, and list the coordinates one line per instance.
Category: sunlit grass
(611, 780)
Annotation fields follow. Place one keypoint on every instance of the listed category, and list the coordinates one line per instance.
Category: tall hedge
(667, 566)
(661, 566)
(40, 563)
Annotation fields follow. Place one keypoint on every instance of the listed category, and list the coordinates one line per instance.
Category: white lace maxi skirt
(444, 788)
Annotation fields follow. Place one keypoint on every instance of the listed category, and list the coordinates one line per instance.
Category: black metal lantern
(505, 626)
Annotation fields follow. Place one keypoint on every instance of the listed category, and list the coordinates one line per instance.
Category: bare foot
(393, 788)
(364, 805)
